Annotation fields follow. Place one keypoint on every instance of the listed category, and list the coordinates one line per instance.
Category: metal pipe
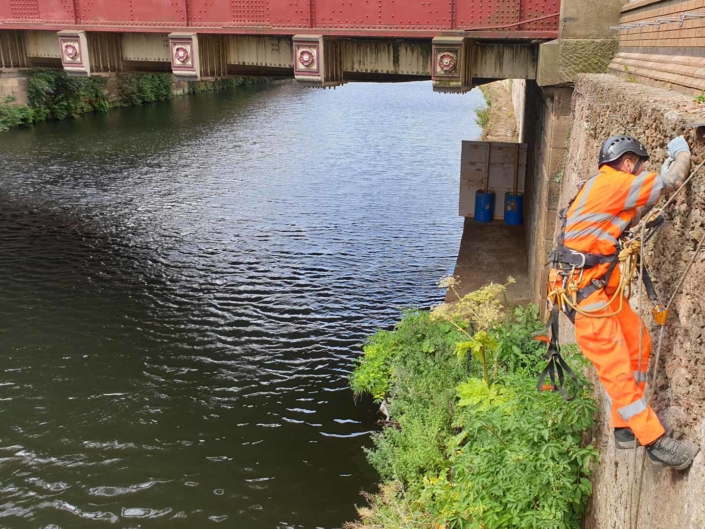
(515, 24)
(516, 170)
(487, 167)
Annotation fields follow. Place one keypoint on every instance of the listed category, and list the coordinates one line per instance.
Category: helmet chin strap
(637, 168)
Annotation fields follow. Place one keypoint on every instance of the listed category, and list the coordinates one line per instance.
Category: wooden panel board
(474, 169)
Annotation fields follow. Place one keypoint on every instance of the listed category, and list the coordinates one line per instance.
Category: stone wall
(603, 106)
(546, 125)
(13, 84)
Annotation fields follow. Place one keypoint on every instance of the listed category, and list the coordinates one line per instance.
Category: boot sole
(661, 465)
(694, 451)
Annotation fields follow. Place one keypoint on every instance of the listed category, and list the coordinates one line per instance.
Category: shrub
(416, 364)
(13, 115)
(470, 446)
(138, 89)
(518, 461)
(54, 95)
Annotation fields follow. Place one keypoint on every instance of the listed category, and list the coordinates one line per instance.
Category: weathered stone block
(561, 61)
(547, 71)
(589, 20)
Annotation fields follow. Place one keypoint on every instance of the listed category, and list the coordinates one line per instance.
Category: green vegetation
(630, 76)
(12, 115)
(53, 95)
(471, 443)
(224, 84)
(483, 116)
(700, 98)
(134, 90)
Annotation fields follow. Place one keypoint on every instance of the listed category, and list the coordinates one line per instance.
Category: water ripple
(186, 287)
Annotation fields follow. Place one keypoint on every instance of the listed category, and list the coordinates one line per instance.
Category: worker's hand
(678, 146)
(667, 165)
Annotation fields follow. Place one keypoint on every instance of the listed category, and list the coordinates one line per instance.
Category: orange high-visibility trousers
(612, 345)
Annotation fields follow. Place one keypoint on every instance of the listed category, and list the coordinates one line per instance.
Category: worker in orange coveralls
(607, 204)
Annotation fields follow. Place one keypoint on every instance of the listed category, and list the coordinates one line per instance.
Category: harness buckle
(582, 255)
(599, 284)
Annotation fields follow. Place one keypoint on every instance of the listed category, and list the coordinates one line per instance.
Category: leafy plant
(517, 351)
(518, 461)
(481, 345)
(138, 89)
(700, 98)
(54, 95)
(476, 312)
(14, 115)
(463, 453)
(630, 76)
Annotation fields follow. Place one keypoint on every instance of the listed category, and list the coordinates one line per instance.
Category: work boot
(675, 454)
(624, 438)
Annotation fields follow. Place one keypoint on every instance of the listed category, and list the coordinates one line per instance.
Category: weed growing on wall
(224, 84)
(471, 443)
(13, 115)
(54, 95)
(482, 117)
(138, 89)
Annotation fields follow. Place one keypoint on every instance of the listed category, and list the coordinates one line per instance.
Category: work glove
(667, 165)
(677, 146)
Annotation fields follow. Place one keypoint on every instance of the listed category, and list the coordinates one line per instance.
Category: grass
(484, 115)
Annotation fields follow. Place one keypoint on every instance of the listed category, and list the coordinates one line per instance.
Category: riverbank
(469, 441)
(28, 97)
(498, 120)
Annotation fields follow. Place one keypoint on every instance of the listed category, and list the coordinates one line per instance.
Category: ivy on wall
(53, 95)
(138, 89)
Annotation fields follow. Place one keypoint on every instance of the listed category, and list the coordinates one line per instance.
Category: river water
(184, 287)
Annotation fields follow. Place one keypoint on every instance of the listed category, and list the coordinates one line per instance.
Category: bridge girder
(452, 62)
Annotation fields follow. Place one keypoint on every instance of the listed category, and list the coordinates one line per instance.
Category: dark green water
(183, 288)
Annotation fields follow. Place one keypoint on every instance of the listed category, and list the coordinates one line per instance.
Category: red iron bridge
(456, 43)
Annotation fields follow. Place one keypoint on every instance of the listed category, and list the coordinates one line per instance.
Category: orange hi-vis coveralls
(603, 209)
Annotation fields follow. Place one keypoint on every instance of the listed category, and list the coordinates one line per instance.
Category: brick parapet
(670, 54)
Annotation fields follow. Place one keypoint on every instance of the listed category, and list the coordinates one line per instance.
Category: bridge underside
(455, 63)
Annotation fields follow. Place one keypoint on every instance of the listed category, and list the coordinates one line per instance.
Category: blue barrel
(484, 206)
(513, 209)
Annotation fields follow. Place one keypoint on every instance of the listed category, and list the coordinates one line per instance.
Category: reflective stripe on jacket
(603, 209)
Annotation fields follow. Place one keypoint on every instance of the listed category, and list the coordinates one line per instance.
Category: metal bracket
(623, 27)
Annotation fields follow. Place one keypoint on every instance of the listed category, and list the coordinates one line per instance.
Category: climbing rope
(567, 295)
(630, 257)
(661, 318)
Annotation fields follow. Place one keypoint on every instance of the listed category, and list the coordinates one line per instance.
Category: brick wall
(666, 53)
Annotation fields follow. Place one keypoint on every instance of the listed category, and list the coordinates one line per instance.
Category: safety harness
(567, 262)
(566, 295)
